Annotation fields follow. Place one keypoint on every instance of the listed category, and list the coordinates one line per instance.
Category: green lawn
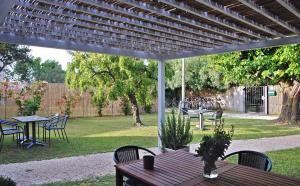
(94, 135)
(285, 162)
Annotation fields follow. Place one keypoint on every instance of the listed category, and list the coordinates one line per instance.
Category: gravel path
(80, 167)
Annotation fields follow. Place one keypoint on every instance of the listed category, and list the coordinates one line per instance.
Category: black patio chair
(52, 120)
(56, 126)
(16, 130)
(216, 117)
(129, 153)
(252, 159)
(8, 125)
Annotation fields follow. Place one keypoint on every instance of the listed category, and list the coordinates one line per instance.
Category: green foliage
(36, 70)
(260, 67)
(6, 182)
(99, 100)
(68, 101)
(118, 76)
(11, 53)
(125, 106)
(31, 106)
(214, 146)
(199, 74)
(29, 98)
(148, 108)
(176, 132)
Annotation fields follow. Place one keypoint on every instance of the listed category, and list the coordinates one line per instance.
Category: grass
(103, 181)
(95, 135)
(285, 162)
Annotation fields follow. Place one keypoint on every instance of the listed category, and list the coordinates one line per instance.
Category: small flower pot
(210, 169)
(148, 161)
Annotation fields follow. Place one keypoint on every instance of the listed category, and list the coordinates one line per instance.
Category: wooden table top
(184, 169)
(27, 119)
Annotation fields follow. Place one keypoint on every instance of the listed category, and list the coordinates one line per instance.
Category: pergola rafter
(259, 9)
(183, 20)
(210, 17)
(163, 29)
(237, 16)
(290, 7)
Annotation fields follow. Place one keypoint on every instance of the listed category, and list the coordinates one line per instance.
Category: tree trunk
(290, 102)
(100, 112)
(135, 110)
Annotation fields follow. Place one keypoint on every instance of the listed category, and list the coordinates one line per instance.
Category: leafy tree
(270, 66)
(199, 74)
(99, 100)
(36, 70)
(118, 76)
(11, 53)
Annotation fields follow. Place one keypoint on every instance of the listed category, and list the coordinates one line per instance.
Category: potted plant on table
(176, 132)
(213, 147)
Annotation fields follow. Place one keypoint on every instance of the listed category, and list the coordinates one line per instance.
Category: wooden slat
(184, 169)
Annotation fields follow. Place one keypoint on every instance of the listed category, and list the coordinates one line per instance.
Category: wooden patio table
(32, 120)
(184, 169)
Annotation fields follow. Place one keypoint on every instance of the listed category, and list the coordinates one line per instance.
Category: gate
(254, 99)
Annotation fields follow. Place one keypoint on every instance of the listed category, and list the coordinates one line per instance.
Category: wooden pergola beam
(157, 26)
(259, 9)
(235, 15)
(183, 20)
(241, 47)
(5, 7)
(71, 45)
(290, 7)
(210, 17)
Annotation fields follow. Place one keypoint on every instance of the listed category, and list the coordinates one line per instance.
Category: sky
(62, 56)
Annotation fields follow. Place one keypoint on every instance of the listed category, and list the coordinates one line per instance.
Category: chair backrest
(1, 129)
(253, 159)
(64, 121)
(218, 114)
(184, 111)
(129, 153)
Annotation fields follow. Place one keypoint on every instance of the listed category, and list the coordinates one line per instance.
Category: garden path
(80, 167)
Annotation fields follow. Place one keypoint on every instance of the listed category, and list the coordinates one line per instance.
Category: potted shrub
(6, 181)
(213, 147)
(175, 132)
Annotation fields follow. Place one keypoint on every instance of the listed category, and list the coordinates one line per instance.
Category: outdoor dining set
(186, 169)
(19, 129)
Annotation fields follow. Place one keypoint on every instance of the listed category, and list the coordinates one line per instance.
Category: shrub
(125, 106)
(176, 132)
(67, 102)
(148, 108)
(6, 182)
(29, 98)
(214, 146)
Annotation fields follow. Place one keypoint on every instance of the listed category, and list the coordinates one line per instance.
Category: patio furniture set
(185, 169)
(19, 129)
(215, 118)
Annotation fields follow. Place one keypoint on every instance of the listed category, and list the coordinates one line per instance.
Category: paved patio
(80, 167)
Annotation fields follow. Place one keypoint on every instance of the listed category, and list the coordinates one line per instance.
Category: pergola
(153, 29)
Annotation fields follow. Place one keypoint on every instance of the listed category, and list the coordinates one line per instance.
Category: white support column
(183, 80)
(161, 98)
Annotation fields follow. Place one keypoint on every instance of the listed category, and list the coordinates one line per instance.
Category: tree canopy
(36, 70)
(199, 74)
(114, 77)
(11, 53)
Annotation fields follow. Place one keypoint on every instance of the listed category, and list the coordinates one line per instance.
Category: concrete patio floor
(81, 167)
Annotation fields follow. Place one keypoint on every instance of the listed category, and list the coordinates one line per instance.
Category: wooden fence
(84, 108)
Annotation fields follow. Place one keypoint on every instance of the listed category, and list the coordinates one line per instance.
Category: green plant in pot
(213, 147)
(6, 181)
(175, 133)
